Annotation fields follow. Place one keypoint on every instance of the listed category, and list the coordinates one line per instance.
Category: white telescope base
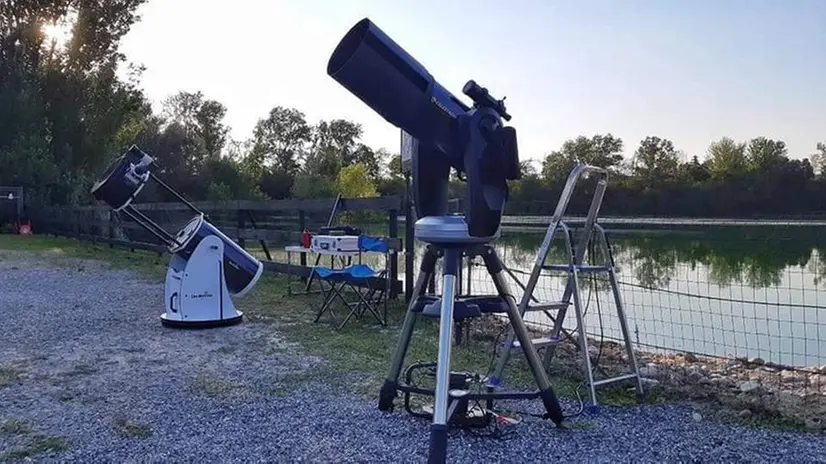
(196, 294)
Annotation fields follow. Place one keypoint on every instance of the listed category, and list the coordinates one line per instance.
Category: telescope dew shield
(386, 78)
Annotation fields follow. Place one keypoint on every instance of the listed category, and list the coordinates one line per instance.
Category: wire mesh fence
(735, 310)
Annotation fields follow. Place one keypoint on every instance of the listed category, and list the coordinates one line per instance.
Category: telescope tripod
(448, 308)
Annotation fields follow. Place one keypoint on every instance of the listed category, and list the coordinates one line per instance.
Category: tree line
(66, 114)
(753, 178)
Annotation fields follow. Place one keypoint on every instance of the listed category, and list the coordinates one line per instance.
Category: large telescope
(381, 74)
(444, 133)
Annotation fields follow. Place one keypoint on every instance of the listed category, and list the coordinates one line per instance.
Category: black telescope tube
(386, 78)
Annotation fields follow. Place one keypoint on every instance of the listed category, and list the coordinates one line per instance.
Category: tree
(325, 164)
(279, 185)
(232, 178)
(391, 178)
(67, 98)
(97, 32)
(168, 144)
(310, 185)
(818, 159)
(394, 167)
(202, 123)
(656, 162)
(694, 173)
(338, 138)
(280, 140)
(354, 182)
(528, 169)
(600, 150)
(765, 155)
(210, 127)
(726, 159)
(371, 160)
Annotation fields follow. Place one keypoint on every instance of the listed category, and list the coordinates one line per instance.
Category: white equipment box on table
(342, 243)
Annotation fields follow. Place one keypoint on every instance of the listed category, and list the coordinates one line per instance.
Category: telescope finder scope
(482, 98)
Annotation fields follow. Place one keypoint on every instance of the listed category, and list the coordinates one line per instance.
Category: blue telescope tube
(386, 78)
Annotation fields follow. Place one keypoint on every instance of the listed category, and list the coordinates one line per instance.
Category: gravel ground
(85, 360)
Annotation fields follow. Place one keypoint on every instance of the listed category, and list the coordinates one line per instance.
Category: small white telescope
(206, 268)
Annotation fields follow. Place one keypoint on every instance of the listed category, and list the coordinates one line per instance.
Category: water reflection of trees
(753, 257)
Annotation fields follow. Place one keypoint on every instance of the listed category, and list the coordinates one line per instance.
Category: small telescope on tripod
(206, 268)
(472, 139)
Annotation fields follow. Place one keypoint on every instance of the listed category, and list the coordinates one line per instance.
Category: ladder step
(548, 306)
(615, 379)
(538, 342)
(569, 268)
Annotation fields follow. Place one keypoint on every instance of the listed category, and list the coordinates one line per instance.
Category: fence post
(393, 226)
(302, 224)
(241, 225)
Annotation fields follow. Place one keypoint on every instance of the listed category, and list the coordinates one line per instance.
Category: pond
(728, 291)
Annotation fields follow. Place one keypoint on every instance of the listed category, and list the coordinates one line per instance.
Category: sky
(690, 71)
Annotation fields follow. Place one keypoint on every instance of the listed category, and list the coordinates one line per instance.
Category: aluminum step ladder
(556, 311)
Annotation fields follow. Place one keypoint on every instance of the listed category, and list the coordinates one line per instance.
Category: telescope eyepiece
(141, 169)
(482, 98)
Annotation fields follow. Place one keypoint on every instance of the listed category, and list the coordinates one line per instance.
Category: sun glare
(59, 33)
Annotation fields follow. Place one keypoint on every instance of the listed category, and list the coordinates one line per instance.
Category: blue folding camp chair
(370, 286)
(335, 279)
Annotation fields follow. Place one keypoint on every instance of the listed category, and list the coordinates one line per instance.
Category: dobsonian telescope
(447, 134)
(207, 268)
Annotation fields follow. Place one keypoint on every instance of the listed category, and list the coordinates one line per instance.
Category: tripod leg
(549, 399)
(390, 387)
(438, 430)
